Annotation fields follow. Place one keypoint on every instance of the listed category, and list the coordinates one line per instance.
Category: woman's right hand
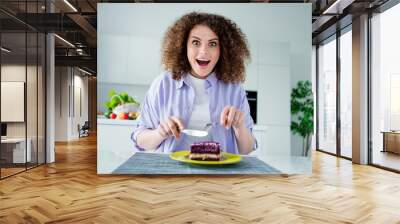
(170, 127)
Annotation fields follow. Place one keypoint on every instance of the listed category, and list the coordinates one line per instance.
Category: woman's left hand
(232, 117)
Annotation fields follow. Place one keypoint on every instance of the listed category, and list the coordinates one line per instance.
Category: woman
(204, 56)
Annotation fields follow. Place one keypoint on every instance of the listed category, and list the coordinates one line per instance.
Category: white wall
(67, 115)
(79, 117)
(16, 73)
(33, 126)
(61, 103)
(279, 37)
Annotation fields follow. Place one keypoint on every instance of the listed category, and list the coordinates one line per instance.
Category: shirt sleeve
(149, 117)
(245, 108)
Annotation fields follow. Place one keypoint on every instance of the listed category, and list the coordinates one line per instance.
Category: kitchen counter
(258, 127)
(105, 121)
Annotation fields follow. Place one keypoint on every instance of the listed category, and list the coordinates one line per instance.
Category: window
(385, 88)
(346, 93)
(327, 96)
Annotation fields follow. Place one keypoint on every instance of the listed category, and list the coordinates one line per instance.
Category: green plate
(227, 158)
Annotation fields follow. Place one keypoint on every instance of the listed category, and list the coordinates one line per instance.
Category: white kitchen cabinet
(115, 48)
(274, 53)
(265, 54)
(144, 63)
(259, 133)
(278, 140)
(272, 141)
(273, 101)
(251, 82)
(136, 59)
(113, 141)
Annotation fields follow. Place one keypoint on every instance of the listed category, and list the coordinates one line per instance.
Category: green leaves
(118, 99)
(124, 96)
(302, 109)
(131, 100)
(111, 93)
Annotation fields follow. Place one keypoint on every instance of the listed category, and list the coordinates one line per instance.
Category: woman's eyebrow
(200, 38)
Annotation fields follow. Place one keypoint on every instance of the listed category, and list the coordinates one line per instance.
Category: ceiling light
(70, 5)
(5, 49)
(64, 40)
(332, 8)
(79, 51)
(337, 7)
(84, 71)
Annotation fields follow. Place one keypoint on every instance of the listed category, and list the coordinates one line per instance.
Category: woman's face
(202, 50)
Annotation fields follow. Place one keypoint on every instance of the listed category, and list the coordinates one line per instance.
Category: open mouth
(202, 62)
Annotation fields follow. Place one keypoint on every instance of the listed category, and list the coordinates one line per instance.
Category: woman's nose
(203, 49)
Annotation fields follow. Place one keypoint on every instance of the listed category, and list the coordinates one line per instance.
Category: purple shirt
(168, 97)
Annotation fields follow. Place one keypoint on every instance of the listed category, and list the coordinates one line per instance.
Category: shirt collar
(184, 79)
(211, 80)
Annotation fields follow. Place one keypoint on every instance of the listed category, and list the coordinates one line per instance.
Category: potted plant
(302, 110)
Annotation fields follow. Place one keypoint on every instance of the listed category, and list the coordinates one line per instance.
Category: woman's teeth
(202, 62)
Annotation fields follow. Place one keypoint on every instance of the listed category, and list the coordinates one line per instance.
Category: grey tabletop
(155, 163)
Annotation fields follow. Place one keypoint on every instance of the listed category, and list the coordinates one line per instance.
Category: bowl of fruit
(121, 106)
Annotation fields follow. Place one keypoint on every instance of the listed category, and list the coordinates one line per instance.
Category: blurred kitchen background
(129, 58)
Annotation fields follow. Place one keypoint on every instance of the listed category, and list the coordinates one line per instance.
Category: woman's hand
(170, 127)
(232, 117)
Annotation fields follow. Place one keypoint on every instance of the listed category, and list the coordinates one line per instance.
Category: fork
(209, 126)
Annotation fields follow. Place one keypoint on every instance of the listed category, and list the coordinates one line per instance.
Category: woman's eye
(196, 43)
(213, 44)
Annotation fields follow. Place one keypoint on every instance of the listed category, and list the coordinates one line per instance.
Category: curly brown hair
(233, 46)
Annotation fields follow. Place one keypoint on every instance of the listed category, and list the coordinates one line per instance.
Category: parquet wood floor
(70, 191)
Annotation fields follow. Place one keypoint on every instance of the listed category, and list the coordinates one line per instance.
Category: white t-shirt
(201, 111)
